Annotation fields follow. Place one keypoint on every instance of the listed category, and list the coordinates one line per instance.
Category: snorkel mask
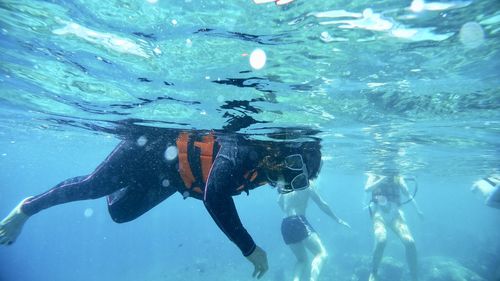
(293, 177)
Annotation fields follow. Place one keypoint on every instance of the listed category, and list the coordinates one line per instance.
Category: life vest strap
(249, 177)
(206, 147)
(184, 167)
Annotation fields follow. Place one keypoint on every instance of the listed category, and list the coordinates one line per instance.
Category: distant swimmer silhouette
(277, 2)
(385, 210)
(489, 188)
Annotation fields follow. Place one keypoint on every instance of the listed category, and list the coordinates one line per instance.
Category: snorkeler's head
(291, 176)
(290, 166)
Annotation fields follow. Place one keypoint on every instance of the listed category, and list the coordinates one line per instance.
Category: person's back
(300, 236)
(294, 203)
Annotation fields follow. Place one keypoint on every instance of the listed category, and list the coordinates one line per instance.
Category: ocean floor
(352, 268)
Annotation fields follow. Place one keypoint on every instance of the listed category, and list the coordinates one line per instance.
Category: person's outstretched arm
(220, 205)
(325, 207)
(406, 192)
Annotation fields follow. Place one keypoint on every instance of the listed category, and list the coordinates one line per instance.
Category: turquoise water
(413, 82)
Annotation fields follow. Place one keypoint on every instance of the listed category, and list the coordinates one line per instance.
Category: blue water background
(178, 240)
(428, 103)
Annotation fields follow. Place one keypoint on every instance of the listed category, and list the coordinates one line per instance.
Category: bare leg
(403, 232)
(380, 232)
(299, 250)
(314, 244)
(11, 226)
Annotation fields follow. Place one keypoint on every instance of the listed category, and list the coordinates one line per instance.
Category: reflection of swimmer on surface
(300, 236)
(489, 188)
(385, 209)
(277, 2)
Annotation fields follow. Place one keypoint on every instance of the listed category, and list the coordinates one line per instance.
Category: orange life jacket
(207, 147)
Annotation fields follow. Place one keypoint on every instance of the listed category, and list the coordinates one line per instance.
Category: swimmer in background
(299, 235)
(385, 210)
(489, 188)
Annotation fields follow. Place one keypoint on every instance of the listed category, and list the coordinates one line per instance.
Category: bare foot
(11, 226)
(373, 277)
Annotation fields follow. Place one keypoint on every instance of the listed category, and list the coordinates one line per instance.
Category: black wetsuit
(137, 177)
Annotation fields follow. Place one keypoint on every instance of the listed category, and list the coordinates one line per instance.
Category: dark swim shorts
(295, 229)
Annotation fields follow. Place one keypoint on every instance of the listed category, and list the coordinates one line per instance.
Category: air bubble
(165, 183)
(417, 6)
(171, 153)
(471, 35)
(142, 140)
(88, 212)
(258, 59)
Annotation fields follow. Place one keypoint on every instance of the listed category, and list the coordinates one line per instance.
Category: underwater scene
(155, 140)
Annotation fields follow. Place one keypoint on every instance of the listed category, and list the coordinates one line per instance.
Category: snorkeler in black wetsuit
(142, 171)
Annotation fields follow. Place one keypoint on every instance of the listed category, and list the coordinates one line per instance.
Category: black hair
(312, 158)
(274, 153)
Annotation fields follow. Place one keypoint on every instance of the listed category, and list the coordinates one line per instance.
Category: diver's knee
(121, 218)
(380, 233)
(319, 259)
(409, 242)
(381, 237)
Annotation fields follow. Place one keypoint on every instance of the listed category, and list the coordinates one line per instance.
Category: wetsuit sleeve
(220, 205)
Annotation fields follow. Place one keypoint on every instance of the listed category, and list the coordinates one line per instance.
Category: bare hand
(259, 260)
(344, 223)
(421, 215)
